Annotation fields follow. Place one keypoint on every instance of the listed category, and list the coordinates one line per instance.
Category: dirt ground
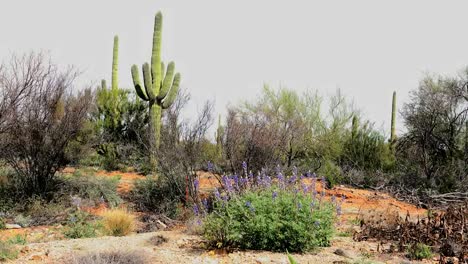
(47, 245)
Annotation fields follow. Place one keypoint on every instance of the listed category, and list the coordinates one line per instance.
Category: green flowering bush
(273, 215)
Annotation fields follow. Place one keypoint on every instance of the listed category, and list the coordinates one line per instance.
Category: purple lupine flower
(275, 194)
(217, 195)
(324, 185)
(338, 210)
(205, 204)
(227, 183)
(249, 205)
(236, 181)
(196, 184)
(308, 174)
(195, 209)
(244, 166)
(278, 169)
(317, 223)
(292, 180)
(299, 205)
(343, 198)
(210, 166)
(312, 205)
(333, 199)
(199, 222)
(305, 188)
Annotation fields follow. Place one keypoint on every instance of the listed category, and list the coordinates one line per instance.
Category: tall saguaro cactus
(393, 129)
(110, 99)
(160, 88)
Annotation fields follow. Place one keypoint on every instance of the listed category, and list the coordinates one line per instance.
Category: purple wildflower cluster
(234, 185)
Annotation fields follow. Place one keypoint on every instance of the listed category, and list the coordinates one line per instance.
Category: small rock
(12, 226)
(343, 253)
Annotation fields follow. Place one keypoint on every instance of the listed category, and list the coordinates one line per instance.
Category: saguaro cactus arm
(137, 83)
(148, 82)
(103, 84)
(170, 98)
(166, 85)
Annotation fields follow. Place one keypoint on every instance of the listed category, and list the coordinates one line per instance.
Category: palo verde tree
(160, 87)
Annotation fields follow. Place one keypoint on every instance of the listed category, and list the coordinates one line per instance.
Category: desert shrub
(80, 225)
(272, 218)
(419, 251)
(118, 222)
(2, 223)
(23, 221)
(109, 257)
(44, 212)
(36, 130)
(156, 195)
(331, 172)
(93, 188)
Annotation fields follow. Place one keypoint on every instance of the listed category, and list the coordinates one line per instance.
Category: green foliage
(160, 88)
(259, 220)
(2, 223)
(332, 172)
(419, 251)
(79, 225)
(365, 149)
(17, 240)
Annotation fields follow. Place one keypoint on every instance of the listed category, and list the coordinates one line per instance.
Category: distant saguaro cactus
(393, 129)
(109, 100)
(219, 139)
(160, 87)
(354, 127)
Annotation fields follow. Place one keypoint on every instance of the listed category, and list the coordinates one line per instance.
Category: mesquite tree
(160, 87)
(45, 113)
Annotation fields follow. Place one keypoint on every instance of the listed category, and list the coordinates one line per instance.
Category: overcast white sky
(227, 50)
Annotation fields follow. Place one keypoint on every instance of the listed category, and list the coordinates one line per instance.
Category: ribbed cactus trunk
(393, 128)
(113, 96)
(160, 87)
(219, 139)
(354, 127)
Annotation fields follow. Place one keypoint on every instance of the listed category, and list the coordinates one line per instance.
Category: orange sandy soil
(357, 202)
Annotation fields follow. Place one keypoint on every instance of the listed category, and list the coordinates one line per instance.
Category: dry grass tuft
(118, 222)
(110, 257)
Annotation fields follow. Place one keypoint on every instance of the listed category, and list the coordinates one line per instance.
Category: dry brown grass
(118, 222)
